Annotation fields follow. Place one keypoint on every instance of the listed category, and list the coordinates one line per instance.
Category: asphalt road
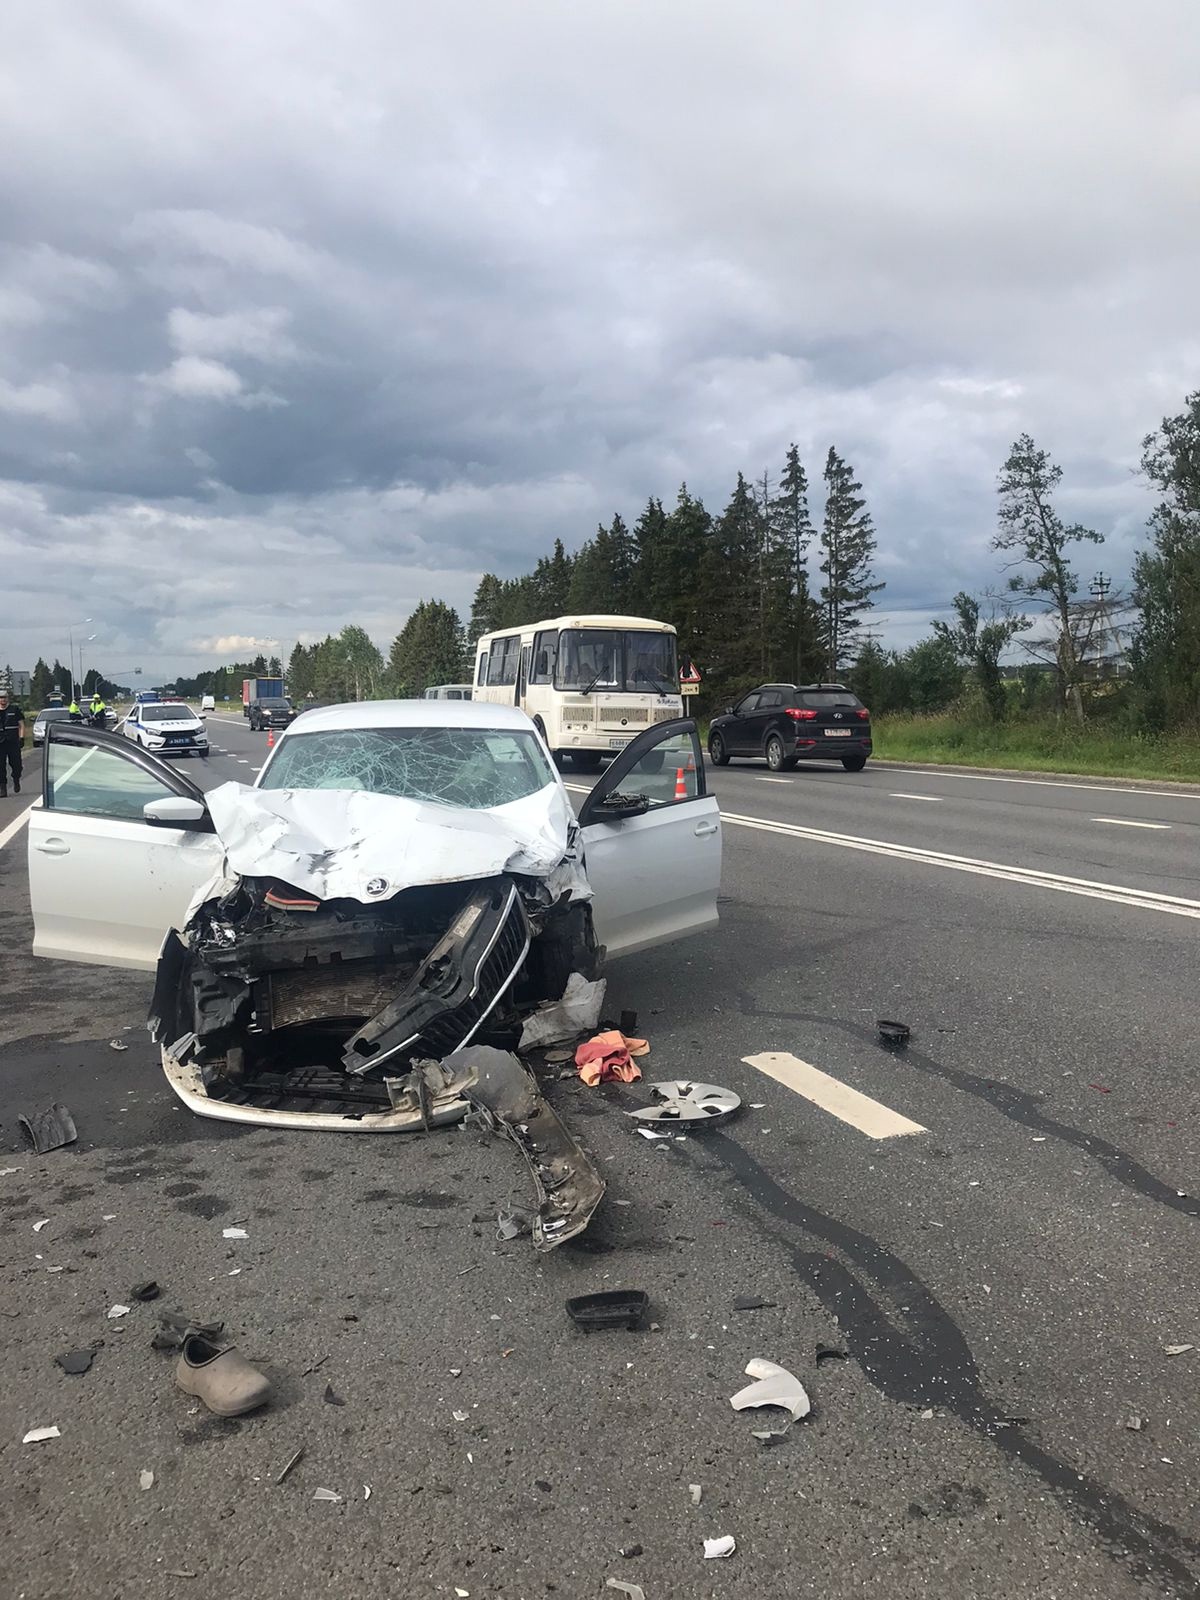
(1028, 1255)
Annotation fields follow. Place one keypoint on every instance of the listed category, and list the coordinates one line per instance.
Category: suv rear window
(826, 699)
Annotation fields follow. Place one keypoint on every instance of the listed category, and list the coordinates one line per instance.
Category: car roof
(409, 714)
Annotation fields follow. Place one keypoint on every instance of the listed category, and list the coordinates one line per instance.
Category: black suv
(785, 723)
(274, 712)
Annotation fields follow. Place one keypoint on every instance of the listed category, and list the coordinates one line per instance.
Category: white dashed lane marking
(849, 1105)
(1128, 822)
(934, 799)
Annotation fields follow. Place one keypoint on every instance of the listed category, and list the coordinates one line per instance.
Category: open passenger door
(652, 842)
(118, 846)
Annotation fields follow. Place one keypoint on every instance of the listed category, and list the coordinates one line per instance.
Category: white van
(208, 702)
(448, 691)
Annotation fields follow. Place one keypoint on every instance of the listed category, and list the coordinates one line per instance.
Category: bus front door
(523, 676)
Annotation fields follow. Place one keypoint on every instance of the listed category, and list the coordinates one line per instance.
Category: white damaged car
(405, 879)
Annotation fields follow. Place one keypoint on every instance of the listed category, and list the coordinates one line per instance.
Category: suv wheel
(775, 753)
(717, 750)
(854, 763)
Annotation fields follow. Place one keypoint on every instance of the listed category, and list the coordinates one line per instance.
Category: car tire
(203, 754)
(775, 753)
(717, 750)
(586, 760)
(854, 763)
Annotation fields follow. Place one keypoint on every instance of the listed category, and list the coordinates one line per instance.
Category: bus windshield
(628, 660)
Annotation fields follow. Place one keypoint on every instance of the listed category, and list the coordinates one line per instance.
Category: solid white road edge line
(1143, 899)
(16, 825)
(869, 1116)
(1127, 822)
(1041, 783)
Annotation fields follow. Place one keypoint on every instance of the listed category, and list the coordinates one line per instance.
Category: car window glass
(99, 783)
(665, 773)
(826, 699)
(748, 704)
(769, 698)
(472, 767)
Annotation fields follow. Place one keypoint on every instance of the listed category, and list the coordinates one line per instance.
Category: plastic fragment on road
(895, 1034)
(234, 1233)
(49, 1129)
(145, 1291)
(830, 1352)
(649, 1133)
(751, 1302)
(558, 1021)
(117, 1311)
(463, 1594)
(117, 1044)
(610, 1308)
(145, 1479)
(633, 1590)
(331, 1397)
(512, 1223)
(40, 1435)
(292, 1461)
(608, 1058)
(774, 1386)
(717, 1549)
(38, 1226)
(367, 1491)
(461, 1416)
(1100, 1088)
(684, 1100)
(1177, 1349)
(697, 1493)
(1133, 1424)
(327, 1496)
(75, 1362)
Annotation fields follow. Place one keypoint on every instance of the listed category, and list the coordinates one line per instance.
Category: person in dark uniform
(12, 733)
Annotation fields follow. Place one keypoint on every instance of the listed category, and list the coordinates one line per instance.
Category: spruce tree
(847, 546)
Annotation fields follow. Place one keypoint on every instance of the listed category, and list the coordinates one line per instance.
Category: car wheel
(203, 754)
(854, 763)
(586, 760)
(775, 753)
(717, 750)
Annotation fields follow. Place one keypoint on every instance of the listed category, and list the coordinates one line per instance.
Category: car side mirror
(174, 809)
(616, 807)
(728, 711)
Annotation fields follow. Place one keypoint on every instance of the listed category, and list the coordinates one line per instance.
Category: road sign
(686, 689)
(689, 674)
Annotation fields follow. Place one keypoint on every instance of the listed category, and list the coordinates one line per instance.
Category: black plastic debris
(293, 1461)
(896, 1034)
(145, 1291)
(49, 1129)
(610, 1308)
(75, 1361)
(631, 1551)
(751, 1302)
(176, 1326)
(629, 1023)
(830, 1352)
(331, 1396)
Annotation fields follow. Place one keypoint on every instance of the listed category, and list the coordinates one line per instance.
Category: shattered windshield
(473, 767)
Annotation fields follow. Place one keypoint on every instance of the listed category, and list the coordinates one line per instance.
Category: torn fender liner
(568, 1186)
(49, 1129)
(456, 986)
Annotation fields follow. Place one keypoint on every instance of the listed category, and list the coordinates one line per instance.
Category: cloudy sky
(311, 309)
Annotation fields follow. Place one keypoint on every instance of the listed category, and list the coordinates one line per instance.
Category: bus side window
(482, 669)
(502, 668)
(543, 657)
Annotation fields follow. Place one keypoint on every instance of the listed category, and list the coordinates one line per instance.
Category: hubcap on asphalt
(682, 1100)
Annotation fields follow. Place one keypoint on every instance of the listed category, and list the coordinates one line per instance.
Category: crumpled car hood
(338, 843)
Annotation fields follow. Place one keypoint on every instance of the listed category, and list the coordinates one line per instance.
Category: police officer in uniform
(12, 733)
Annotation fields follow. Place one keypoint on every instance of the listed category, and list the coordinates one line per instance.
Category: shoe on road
(223, 1379)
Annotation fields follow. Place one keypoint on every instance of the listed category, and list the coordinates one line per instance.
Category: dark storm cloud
(390, 296)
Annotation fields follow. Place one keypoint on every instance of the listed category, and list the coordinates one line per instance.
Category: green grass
(1037, 745)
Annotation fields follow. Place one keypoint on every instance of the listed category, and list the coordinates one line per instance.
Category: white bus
(590, 683)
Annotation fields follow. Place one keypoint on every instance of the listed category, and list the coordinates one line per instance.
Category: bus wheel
(586, 760)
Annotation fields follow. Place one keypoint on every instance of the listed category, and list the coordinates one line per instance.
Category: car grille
(667, 714)
(623, 714)
(453, 1029)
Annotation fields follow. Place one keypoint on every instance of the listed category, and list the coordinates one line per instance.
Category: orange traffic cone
(270, 738)
(691, 766)
(681, 792)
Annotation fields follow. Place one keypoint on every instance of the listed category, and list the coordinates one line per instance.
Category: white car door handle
(703, 828)
(54, 847)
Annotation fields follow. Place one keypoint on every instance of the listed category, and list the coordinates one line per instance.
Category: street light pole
(71, 652)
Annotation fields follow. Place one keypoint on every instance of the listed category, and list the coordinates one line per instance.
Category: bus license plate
(618, 744)
(837, 733)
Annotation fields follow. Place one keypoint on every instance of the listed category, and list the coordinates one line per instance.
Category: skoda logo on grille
(377, 885)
